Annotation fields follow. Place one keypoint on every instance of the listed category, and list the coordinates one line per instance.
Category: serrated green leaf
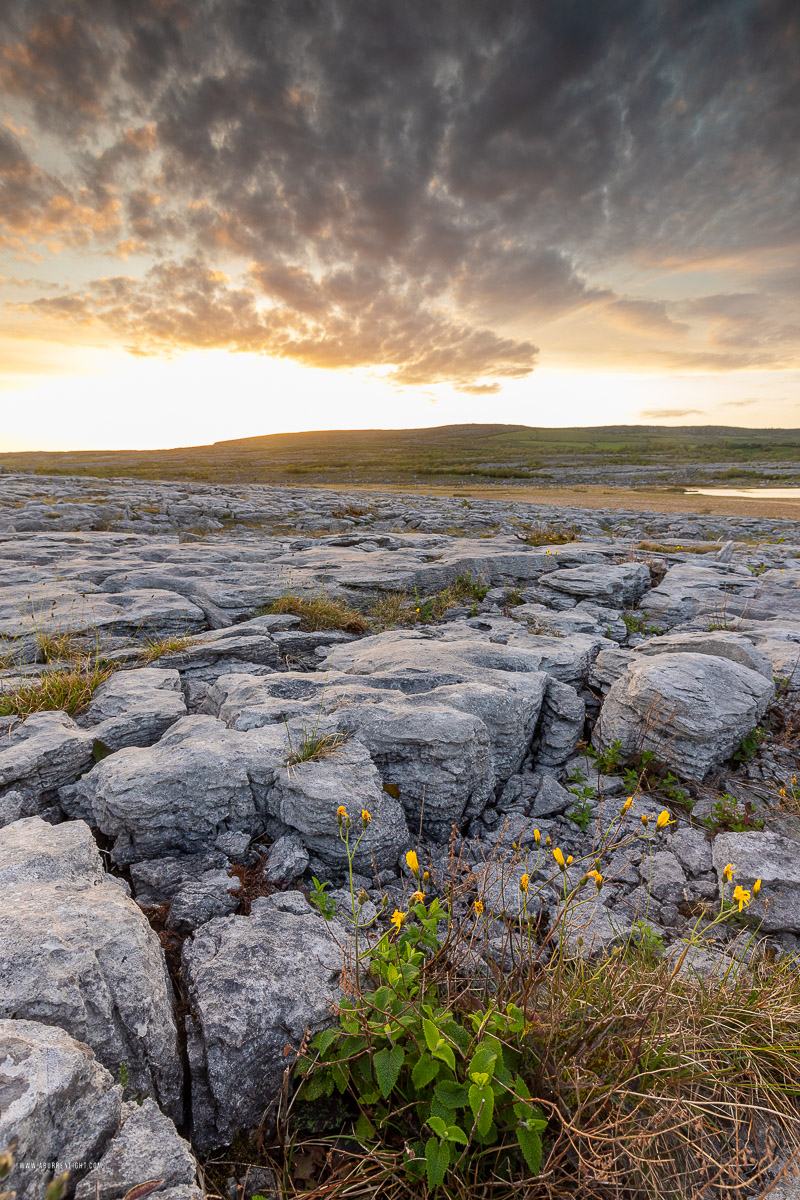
(382, 999)
(451, 1094)
(445, 1054)
(387, 1065)
(432, 1035)
(340, 1074)
(324, 1040)
(481, 1101)
(425, 1069)
(314, 1087)
(415, 1167)
(437, 1159)
(354, 1044)
(438, 1126)
(456, 1134)
(483, 1061)
(530, 1143)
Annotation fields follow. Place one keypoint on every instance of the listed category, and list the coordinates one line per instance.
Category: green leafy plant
(323, 903)
(637, 623)
(750, 744)
(645, 942)
(581, 813)
(609, 760)
(732, 816)
(412, 1063)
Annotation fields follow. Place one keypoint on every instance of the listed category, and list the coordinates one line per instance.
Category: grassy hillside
(479, 453)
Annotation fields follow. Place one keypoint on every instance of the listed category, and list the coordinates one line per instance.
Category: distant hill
(480, 453)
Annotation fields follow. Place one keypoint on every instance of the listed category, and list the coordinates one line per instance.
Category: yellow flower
(537, 837)
(627, 804)
(547, 840)
(413, 862)
(756, 887)
(569, 860)
(417, 897)
(365, 817)
(727, 874)
(341, 814)
(559, 857)
(782, 791)
(645, 818)
(741, 895)
(524, 882)
(397, 918)
(478, 906)
(664, 819)
(596, 876)
(426, 876)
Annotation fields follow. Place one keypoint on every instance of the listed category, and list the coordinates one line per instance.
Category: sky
(227, 218)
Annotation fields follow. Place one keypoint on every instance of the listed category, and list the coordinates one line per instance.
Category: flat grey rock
(31, 851)
(57, 1103)
(146, 1146)
(134, 708)
(86, 960)
(256, 985)
(773, 859)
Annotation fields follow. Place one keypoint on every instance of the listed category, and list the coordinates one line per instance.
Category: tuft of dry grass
(321, 612)
(66, 646)
(664, 548)
(540, 533)
(69, 690)
(156, 648)
(314, 745)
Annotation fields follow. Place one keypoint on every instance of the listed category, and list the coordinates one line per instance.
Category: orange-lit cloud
(448, 196)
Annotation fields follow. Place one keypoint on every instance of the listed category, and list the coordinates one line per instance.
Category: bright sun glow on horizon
(198, 397)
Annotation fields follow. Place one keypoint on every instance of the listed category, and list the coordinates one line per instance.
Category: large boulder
(719, 643)
(85, 959)
(58, 1105)
(256, 986)
(198, 781)
(611, 585)
(147, 1146)
(720, 592)
(438, 759)
(691, 710)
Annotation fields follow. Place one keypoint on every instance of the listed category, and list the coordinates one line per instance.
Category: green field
(507, 454)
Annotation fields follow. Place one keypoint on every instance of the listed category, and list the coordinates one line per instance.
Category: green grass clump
(156, 648)
(69, 690)
(320, 612)
(314, 745)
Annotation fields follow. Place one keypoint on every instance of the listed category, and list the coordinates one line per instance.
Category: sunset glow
(227, 220)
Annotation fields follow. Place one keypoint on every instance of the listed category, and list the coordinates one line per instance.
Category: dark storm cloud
(412, 185)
